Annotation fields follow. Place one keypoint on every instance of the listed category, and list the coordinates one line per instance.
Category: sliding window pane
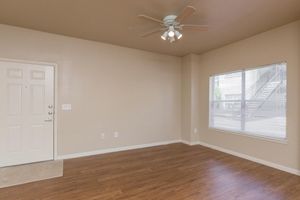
(225, 104)
(227, 86)
(226, 115)
(265, 111)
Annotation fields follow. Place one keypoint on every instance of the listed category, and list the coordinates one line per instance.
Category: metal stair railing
(262, 102)
(260, 83)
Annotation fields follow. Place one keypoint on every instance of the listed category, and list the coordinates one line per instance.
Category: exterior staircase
(268, 84)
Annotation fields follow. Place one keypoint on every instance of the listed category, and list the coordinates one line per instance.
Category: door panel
(37, 136)
(14, 73)
(14, 99)
(14, 138)
(26, 113)
(37, 95)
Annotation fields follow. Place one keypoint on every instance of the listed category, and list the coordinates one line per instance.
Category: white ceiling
(116, 21)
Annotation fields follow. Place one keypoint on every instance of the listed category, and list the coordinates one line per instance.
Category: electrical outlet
(195, 130)
(116, 134)
(102, 136)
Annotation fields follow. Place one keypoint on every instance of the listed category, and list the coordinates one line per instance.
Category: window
(250, 101)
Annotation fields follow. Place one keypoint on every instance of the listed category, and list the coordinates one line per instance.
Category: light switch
(66, 107)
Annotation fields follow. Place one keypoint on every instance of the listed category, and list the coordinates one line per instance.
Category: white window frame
(242, 131)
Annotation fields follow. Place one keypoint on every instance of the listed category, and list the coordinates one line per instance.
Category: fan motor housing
(170, 20)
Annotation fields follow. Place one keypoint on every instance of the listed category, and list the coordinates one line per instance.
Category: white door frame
(55, 66)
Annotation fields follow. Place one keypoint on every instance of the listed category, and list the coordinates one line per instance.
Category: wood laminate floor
(170, 172)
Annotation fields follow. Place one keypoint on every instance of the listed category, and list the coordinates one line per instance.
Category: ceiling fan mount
(170, 20)
(171, 25)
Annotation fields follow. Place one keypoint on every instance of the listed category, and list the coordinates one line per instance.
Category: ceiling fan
(171, 25)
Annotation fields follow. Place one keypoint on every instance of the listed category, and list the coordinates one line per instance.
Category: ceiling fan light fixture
(164, 36)
(178, 35)
(172, 39)
(171, 32)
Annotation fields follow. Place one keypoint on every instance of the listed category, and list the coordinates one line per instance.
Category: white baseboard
(185, 142)
(189, 143)
(251, 158)
(117, 149)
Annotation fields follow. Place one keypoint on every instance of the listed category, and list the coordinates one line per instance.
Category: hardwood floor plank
(175, 172)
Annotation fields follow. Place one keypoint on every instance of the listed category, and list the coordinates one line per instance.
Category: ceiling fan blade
(153, 32)
(187, 11)
(195, 27)
(151, 19)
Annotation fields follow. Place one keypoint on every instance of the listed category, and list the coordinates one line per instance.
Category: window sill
(250, 135)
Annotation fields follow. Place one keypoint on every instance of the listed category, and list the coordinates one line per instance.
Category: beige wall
(190, 116)
(281, 44)
(148, 97)
(111, 88)
(186, 127)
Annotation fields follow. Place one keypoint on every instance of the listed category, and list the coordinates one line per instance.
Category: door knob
(50, 106)
(50, 113)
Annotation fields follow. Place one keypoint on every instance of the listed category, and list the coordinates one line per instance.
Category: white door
(26, 113)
